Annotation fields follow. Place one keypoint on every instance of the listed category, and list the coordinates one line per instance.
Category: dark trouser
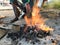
(16, 4)
(16, 10)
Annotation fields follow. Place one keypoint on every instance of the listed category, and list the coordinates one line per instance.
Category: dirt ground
(52, 20)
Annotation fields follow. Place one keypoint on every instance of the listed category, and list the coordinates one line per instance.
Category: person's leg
(16, 12)
(40, 2)
(22, 8)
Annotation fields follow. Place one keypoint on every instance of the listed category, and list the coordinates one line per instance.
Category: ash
(30, 37)
(48, 40)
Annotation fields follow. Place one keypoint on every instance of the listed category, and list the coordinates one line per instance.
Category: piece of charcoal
(22, 27)
(9, 35)
(19, 43)
(29, 29)
(37, 40)
(33, 42)
(42, 33)
(33, 35)
(13, 38)
(39, 36)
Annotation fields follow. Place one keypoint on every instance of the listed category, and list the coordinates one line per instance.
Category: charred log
(42, 34)
(30, 33)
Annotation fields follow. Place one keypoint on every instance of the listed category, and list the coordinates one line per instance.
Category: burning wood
(30, 34)
(36, 19)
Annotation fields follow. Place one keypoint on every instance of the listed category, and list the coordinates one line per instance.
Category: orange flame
(36, 19)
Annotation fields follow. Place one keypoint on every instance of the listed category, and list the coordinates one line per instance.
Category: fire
(36, 19)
